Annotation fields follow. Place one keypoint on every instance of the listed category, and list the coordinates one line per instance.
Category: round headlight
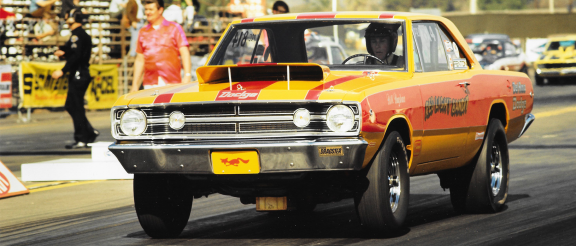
(177, 120)
(301, 117)
(133, 122)
(340, 118)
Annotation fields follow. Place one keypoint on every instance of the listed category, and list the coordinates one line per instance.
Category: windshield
(337, 44)
(556, 45)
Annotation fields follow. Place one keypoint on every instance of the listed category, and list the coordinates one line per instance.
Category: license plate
(271, 203)
(235, 162)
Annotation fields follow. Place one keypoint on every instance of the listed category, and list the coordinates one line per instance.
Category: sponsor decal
(232, 95)
(518, 88)
(445, 105)
(234, 162)
(518, 104)
(460, 64)
(331, 151)
(394, 99)
(448, 45)
(244, 91)
(479, 136)
(369, 74)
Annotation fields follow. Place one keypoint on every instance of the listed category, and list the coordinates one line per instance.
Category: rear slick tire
(382, 208)
(163, 204)
(483, 186)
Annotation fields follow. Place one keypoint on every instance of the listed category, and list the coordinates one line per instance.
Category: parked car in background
(497, 52)
(558, 61)
(476, 40)
(270, 127)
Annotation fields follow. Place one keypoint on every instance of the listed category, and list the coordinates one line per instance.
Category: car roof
(343, 15)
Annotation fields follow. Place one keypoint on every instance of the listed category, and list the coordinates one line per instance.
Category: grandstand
(110, 41)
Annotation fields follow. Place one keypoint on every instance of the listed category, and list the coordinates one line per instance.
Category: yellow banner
(38, 89)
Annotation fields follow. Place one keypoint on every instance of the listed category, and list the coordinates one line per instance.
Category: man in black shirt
(77, 52)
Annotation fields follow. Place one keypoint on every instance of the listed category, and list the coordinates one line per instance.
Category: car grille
(225, 120)
(556, 65)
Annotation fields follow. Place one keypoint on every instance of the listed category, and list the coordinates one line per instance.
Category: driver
(381, 41)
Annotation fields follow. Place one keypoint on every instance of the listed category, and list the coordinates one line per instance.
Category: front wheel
(163, 203)
(383, 206)
(483, 187)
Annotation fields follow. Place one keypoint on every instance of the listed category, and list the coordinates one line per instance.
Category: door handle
(464, 84)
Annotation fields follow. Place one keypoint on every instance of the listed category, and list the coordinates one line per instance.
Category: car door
(445, 96)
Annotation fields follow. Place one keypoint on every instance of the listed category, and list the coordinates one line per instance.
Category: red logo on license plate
(234, 162)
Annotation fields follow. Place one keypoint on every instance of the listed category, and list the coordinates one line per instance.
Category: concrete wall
(516, 25)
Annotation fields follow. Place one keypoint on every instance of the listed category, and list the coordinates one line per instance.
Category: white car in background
(501, 55)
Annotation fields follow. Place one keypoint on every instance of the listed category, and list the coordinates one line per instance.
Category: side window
(431, 47)
(452, 50)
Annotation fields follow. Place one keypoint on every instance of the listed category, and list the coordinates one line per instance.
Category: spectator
(41, 8)
(280, 7)
(45, 29)
(134, 14)
(6, 15)
(117, 8)
(160, 44)
(189, 12)
(174, 12)
(77, 51)
(67, 5)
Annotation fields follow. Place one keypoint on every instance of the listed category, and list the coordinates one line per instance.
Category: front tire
(483, 187)
(163, 204)
(383, 206)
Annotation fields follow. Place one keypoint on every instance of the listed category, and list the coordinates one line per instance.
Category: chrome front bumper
(275, 156)
(566, 72)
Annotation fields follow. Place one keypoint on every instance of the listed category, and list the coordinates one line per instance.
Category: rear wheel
(384, 205)
(483, 186)
(162, 203)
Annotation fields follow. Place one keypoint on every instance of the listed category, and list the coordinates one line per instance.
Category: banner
(38, 89)
(5, 86)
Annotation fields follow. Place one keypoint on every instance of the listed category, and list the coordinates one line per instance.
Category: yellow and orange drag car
(266, 123)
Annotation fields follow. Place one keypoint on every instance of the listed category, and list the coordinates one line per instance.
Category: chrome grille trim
(253, 119)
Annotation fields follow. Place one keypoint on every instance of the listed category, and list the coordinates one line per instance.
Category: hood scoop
(262, 72)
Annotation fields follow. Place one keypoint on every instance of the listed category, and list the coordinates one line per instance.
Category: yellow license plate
(235, 162)
(271, 203)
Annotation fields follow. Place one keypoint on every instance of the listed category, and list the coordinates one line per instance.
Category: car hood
(278, 82)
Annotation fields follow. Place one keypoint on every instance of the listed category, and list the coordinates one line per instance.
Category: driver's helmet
(382, 30)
